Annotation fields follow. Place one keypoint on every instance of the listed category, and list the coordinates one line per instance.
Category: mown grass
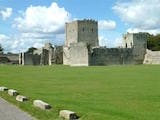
(95, 93)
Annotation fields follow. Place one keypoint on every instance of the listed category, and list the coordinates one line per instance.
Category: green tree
(1, 49)
(31, 50)
(153, 42)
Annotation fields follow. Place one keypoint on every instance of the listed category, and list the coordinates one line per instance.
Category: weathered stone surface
(3, 88)
(152, 57)
(79, 54)
(68, 115)
(21, 98)
(82, 49)
(12, 92)
(41, 104)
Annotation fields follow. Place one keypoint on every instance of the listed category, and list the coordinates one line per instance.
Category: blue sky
(27, 23)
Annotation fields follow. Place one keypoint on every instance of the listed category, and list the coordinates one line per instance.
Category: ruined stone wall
(79, 54)
(152, 57)
(27, 59)
(58, 55)
(44, 57)
(36, 59)
(111, 56)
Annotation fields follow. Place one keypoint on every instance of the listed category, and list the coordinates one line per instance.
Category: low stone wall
(9, 58)
(13, 58)
(152, 57)
(4, 60)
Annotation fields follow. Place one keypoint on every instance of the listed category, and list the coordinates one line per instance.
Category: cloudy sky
(27, 23)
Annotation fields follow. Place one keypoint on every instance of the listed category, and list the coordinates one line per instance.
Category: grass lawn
(95, 93)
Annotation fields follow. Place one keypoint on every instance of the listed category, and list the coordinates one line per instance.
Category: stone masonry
(46, 55)
(80, 35)
(82, 49)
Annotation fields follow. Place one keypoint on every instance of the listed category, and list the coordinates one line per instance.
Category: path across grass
(95, 93)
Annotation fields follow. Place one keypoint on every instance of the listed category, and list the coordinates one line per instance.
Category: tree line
(153, 42)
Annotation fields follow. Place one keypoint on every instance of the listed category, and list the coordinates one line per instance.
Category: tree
(153, 42)
(31, 50)
(1, 49)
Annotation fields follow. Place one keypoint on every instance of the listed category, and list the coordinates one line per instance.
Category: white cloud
(118, 42)
(6, 42)
(6, 13)
(37, 25)
(103, 27)
(19, 43)
(3, 37)
(151, 31)
(103, 41)
(106, 24)
(142, 14)
(42, 19)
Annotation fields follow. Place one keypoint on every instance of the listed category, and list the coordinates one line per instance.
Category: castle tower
(79, 35)
(85, 31)
(138, 43)
(132, 40)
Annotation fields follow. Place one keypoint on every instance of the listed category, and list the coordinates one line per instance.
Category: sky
(32, 23)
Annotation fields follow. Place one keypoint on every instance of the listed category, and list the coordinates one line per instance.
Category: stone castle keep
(81, 48)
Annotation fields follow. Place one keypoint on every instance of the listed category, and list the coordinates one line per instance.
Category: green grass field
(95, 93)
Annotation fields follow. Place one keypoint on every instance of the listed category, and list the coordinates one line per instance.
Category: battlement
(84, 21)
(88, 21)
